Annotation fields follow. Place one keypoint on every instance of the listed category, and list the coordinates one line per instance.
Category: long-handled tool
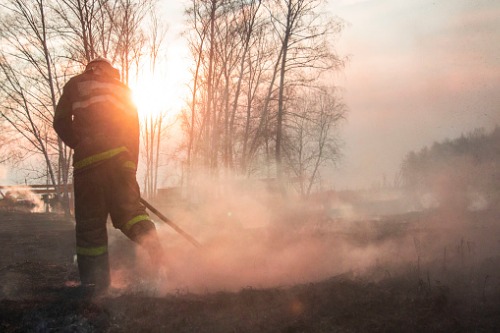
(170, 223)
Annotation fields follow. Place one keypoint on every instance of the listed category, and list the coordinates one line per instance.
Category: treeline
(459, 173)
(262, 101)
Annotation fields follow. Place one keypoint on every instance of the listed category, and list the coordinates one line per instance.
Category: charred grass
(455, 291)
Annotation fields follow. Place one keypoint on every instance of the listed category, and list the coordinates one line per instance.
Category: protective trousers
(109, 188)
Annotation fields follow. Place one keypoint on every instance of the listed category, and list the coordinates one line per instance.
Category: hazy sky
(419, 71)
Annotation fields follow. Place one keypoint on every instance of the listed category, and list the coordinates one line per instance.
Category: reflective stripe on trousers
(92, 251)
(134, 221)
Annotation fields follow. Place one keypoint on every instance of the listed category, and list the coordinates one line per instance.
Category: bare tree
(312, 142)
(189, 117)
(45, 42)
(108, 28)
(200, 121)
(250, 58)
(248, 24)
(79, 26)
(256, 66)
(153, 123)
(30, 86)
(220, 42)
(303, 32)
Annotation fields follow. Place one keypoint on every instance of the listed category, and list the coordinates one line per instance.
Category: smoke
(20, 198)
(252, 238)
(3, 174)
(260, 258)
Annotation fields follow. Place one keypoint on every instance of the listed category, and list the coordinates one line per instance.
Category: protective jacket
(96, 117)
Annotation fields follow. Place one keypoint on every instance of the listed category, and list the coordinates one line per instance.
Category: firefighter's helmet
(100, 59)
(96, 66)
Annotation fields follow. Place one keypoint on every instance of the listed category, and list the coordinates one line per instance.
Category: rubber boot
(153, 246)
(94, 272)
(159, 271)
(144, 233)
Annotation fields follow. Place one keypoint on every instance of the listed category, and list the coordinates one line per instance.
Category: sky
(418, 71)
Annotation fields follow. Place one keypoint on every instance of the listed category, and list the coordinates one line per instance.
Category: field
(420, 272)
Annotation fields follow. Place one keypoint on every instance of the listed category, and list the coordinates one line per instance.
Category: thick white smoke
(255, 239)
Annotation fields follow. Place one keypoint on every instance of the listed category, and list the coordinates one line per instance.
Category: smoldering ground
(432, 270)
(258, 240)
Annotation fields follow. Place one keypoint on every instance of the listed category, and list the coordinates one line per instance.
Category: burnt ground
(38, 294)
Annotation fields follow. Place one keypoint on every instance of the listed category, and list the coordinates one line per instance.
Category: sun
(163, 92)
(148, 95)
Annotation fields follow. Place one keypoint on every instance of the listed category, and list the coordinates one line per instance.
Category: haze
(419, 72)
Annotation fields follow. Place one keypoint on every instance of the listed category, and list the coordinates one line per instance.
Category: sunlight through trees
(257, 99)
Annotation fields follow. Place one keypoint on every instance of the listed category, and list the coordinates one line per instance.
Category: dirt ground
(39, 293)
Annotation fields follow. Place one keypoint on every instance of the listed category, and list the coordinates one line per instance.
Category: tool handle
(170, 223)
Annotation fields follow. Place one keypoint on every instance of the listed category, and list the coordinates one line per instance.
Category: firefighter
(95, 116)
